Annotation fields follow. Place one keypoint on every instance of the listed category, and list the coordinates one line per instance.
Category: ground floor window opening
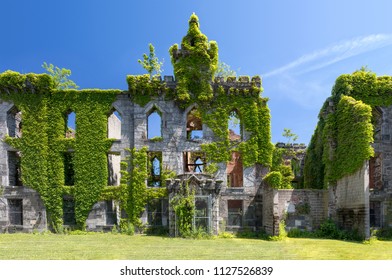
(157, 212)
(202, 216)
(234, 212)
(15, 212)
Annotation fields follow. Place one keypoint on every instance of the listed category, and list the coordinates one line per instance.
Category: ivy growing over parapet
(194, 64)
(341, 142)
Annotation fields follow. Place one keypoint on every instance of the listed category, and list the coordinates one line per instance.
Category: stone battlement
(241, 82)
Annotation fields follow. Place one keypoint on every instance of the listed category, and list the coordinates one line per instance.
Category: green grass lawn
(116, 246)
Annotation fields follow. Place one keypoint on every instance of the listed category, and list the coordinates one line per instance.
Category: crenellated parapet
(143, 88)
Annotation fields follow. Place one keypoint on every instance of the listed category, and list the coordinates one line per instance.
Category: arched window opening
(14, 122)
(194, 125)
(194, 162)
(114, 125)
(199, 164)
(70, 129)
(155, 169)
(234, 171)
(235, 126)
(114, 168)
(154, 124)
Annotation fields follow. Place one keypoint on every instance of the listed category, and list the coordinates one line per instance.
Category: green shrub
(157, 230)
(297, 233)
(127, 227)
(328, 229)
(226, 235)
(197, 233)
(384, 234)
(282, 232)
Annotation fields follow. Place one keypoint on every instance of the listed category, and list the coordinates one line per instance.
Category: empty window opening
(234, 210)
(154, 125)
(14, 122)
(157, 212)
(202, 214)
(111, 213)
(234, 171)
(375, 172)
(375, 213)
(114, 169)
(69, 211)
(194, 125)
(194, 162)
(69, 172)
(235, 127)
(70, 128)
(114, 125)
(155, 169)
(14, 169)
(15, 212)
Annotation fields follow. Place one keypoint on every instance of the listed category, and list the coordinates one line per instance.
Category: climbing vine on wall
(341, 142)
(281, 173)
(133, 184)
(183, 204)
(194, 65)
(43, 144)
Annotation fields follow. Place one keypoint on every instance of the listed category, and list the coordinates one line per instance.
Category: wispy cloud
(333, 54)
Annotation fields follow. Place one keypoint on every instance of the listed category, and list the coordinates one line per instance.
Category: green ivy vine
(44, 145)
(194, 65)
(341, 142)
(183, 204)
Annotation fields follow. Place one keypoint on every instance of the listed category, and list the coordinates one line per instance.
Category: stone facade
(228, 207)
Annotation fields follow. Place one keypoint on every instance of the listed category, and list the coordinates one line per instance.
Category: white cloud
(333, 54)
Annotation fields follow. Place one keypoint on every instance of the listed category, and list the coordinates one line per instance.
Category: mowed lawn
(139, 247)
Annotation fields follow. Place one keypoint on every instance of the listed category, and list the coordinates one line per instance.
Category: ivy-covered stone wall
(344, 134)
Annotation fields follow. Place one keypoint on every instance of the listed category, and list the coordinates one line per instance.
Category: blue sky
(298, 47)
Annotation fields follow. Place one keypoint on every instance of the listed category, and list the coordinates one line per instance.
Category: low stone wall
(300, 208)
(349, 202)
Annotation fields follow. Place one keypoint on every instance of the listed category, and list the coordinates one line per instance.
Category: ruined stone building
(202, 136)
(176, 120)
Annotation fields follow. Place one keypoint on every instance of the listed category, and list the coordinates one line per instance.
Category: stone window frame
(153, 179)
(119, 117)
(113, 180)
(150, 109)
(188, 128)
(241, 126)
(14, 168)
(154, 214)
(110, 213)
(232, 214)
(15, 211)
(14, 122)
(230, 180)
(190, 158)
(69, 131)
